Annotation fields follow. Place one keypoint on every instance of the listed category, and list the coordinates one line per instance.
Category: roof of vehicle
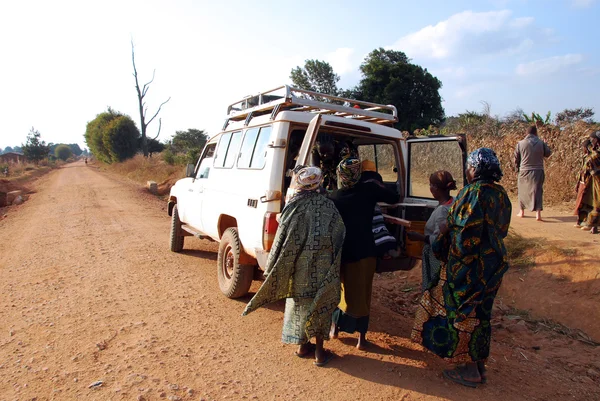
(305, 118)
(287, 103)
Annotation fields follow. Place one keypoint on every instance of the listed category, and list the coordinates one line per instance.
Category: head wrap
(368, 165)
(486, 164)
(307, 178)
(443, 180)
(348, 173)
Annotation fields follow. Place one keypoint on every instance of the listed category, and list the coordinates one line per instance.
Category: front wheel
(235, 279)
(176, 232)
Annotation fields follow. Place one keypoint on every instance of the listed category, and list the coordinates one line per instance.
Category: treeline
(113, 137)
(36, 149)
(387, 77)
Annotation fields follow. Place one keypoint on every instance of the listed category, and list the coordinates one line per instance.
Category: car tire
(235, 279)
(176, 232)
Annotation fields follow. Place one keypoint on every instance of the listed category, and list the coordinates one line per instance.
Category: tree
(112, 136)
(8, 149)
(154, 146)
(141, 94)
(121, 138)
(75, 149)
(570, 116)
(316, 76)
(190, 143)
(537, 119)
(35, 149)
(388, 77)
(63, 152)
(514, 116)
(183, 141)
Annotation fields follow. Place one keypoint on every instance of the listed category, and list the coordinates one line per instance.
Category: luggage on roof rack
(289, 98)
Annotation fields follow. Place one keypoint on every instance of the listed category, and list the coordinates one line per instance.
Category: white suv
(236, 190)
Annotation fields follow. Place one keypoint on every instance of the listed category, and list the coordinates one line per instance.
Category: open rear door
(309, 140)
(425, 156)
(422, 157)
(307, 145)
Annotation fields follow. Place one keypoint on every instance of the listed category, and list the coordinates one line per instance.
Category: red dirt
(90, 292)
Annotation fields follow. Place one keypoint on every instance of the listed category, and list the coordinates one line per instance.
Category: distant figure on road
(529, 161)
(583, 202)
(592, 186)
(304, 266)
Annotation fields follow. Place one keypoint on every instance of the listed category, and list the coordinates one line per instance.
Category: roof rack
(289, 98)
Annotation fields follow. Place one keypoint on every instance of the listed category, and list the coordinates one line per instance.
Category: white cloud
(549, 65)
(470, 34)
(582, 3)
(341, 60)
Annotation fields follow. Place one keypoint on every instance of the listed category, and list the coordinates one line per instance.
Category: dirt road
(89, 292)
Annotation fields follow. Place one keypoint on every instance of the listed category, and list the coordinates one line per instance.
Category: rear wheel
(176, 232)
(235, 279)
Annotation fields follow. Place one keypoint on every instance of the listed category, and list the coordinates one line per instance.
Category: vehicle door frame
(462, 143)
(195, 194)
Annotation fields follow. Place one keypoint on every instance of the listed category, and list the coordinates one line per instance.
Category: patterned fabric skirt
(531, 189)
(458, 342)
(584, 200)
(593, 219)
(355, 302)
(294, 321)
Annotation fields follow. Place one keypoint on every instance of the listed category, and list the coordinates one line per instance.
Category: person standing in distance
(529, 160)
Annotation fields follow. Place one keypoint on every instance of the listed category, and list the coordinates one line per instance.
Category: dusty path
(89, 292)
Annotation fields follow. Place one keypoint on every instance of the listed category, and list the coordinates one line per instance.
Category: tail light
(269, 230)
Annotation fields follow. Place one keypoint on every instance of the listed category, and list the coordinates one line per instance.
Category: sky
(64, 62)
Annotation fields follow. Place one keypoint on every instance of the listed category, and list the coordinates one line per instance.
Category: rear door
(305, 149)
(424, 156)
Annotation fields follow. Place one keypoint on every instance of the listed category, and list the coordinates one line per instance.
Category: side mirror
(189, 170)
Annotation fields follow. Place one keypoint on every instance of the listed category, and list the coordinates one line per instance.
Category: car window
(222, 150)
(206, 162)
(232, 150)
(259, 157)
(384, 157)
(247, 148)
(204, 169)
(428, 157)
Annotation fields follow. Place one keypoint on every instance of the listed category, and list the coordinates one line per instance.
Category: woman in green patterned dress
(304, 266)
(453, 319)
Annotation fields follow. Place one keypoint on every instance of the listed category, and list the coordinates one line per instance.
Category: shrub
(63, 152)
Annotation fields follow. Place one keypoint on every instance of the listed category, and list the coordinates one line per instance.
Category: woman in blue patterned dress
(453, 319)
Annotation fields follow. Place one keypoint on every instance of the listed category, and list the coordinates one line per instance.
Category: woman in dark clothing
(356, 201)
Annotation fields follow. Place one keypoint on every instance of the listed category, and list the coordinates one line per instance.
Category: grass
(544, 324)
(521, 250)
(142, 169)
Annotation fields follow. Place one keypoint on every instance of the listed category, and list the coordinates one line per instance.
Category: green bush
(63, 152)
(168, 156)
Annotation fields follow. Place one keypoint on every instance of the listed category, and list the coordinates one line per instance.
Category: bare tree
(141, 94)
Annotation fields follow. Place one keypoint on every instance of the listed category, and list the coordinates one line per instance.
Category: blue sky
(66, 61)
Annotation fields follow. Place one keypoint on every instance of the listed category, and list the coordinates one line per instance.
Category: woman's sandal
(456, 375)
(328, 357)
